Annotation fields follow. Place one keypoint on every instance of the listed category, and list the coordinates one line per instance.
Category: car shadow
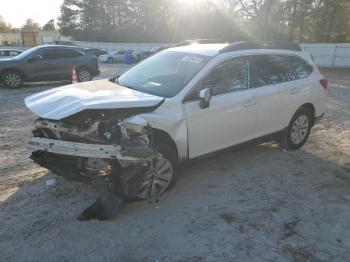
(284, 199)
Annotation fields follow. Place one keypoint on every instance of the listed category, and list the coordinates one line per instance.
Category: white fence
(329, 55)
(324, 55)
(110, 47)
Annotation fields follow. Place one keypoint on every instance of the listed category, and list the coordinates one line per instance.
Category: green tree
(30, 26)
(5, 27)
(175, 20)
(50, 25)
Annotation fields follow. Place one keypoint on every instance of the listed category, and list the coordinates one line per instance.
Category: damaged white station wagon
(179, 104)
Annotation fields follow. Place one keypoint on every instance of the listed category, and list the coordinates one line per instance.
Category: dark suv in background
(48, 63)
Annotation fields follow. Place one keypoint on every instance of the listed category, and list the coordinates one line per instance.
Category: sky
(16, 12)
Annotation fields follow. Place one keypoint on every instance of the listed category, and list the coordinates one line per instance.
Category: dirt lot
(255, 203)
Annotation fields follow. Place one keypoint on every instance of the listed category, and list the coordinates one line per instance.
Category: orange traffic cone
(74, 76)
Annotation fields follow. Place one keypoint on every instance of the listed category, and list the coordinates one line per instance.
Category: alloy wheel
(158, 179)
(13, 80)
(84, 76)
(299, 129)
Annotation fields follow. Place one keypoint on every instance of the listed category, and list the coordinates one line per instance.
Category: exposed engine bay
(117, 143)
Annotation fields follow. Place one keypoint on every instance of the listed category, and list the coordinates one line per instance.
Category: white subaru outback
(179, 104)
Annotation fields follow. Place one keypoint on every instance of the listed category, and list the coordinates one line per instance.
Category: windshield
(165, 74)
(27, 53)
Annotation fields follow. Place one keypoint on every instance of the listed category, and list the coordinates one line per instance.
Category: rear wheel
(110, 60)
(84, 75)
(298, 130)
(12, 79)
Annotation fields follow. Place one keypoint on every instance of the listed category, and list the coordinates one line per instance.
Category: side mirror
(205, 96)
(35, 58)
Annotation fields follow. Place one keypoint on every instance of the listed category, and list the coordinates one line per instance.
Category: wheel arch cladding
(82, 67)
(160, 135)
(311, 108)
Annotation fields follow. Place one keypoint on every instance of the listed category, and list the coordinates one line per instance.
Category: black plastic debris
(126, 182)
(103, 208)
(64, 166)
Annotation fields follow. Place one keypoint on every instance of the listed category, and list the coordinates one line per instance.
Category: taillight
(324, 83)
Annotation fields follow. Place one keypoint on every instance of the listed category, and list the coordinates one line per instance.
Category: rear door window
(270, 69)
(48, 54)
(300, 67)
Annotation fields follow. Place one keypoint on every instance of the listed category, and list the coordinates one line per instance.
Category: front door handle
(250, 102)
(294, 90)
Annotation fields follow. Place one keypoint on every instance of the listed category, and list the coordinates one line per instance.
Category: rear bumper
(103, 60)
(97, 73)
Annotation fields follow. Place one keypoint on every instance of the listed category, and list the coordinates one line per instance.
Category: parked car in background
(114, 57)
(65, 43)
(143, 54)
(48, 63)
(181, 103)
(9, 52)
(97, 52)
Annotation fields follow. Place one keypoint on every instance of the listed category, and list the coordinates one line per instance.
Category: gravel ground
(256, 203)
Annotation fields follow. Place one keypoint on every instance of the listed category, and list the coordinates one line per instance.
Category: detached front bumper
(90, 150)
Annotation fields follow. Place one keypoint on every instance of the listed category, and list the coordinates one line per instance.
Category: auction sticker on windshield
(192, 59)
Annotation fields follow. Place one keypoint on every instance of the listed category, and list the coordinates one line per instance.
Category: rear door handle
(250, 102)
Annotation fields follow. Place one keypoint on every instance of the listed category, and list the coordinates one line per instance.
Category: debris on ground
(105, 207)
(126, 183)
(51, 182)
(289, 229)
(228, 217)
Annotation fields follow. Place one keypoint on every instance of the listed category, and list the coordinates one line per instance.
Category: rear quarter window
(301, 68)
(270, 69)
(68, 53)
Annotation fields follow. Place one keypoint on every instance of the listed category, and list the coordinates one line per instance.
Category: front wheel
(163, 174)
(12, 79)
(298, 130)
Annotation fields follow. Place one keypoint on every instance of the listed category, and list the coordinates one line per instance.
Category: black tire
(296, 134)
(110, 60)
(84, 74)
(168, 152)
(11, 79)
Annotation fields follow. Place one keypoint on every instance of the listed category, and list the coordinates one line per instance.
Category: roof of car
(200, 49)
(81, 49)
(215, 49)
(10, 49)
(59, 46)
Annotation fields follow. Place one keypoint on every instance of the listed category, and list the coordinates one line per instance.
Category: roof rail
(237, 46)
(200, 41)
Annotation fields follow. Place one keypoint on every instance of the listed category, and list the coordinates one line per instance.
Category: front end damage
(119, 145)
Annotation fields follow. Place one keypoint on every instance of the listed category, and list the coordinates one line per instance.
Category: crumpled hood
(61, 102)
